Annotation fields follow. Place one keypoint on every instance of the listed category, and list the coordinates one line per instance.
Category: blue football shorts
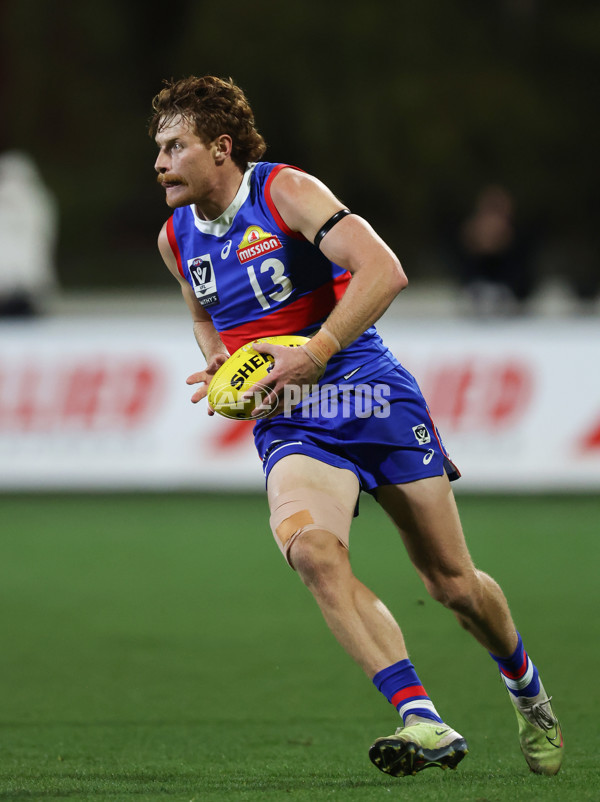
(380, 429)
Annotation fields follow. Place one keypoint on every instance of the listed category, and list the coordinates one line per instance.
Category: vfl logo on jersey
(422, 434)
(203, 280)
(256, 242)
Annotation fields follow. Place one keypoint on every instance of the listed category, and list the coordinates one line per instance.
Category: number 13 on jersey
(280, 286)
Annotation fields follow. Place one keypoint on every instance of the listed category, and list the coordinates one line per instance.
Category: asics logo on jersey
(226, 249)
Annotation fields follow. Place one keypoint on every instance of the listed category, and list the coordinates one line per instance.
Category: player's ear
(222, 146)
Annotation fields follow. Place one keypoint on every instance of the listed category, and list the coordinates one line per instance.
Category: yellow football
(245, 368)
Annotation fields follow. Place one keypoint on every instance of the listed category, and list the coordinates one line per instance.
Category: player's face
(185, 165)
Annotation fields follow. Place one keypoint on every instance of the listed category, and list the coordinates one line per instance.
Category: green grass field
(158, 647)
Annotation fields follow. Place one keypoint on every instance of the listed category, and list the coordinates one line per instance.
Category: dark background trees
(405, 109)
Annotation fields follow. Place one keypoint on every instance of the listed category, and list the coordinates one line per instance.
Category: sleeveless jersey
(255, 277)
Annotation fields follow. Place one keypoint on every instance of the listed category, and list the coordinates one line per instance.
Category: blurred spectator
(28, 225)
(494, 254)
(578, 257)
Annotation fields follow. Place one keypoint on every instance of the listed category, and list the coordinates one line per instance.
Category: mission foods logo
(256, 242)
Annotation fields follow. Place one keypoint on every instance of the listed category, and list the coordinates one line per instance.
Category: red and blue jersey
(255, 277)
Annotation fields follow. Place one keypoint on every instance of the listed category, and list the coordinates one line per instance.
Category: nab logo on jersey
(203, 280)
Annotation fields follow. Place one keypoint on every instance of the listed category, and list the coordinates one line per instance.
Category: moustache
(169, 179)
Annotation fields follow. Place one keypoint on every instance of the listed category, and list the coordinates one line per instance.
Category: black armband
(335, 218)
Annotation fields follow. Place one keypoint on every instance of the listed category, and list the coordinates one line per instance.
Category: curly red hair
(214, 106)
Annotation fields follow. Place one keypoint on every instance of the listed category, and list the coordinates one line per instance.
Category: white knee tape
(306, 509)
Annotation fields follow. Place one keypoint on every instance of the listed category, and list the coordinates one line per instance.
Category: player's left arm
(306, 205)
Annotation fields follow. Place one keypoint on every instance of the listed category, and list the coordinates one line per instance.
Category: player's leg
(302, 492)
(309, 499)
(426, 515)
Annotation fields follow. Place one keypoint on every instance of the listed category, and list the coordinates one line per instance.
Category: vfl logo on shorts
(422, 434)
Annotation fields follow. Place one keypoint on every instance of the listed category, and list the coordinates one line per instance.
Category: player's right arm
(206, 335)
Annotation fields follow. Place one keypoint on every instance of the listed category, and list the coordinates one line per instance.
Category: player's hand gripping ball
(244, 369)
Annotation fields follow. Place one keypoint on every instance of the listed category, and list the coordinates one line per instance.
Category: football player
(265, 249)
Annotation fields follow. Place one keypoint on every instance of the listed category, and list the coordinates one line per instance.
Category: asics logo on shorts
(428, 457)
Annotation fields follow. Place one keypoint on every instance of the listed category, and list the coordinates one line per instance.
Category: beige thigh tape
(306, 509)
